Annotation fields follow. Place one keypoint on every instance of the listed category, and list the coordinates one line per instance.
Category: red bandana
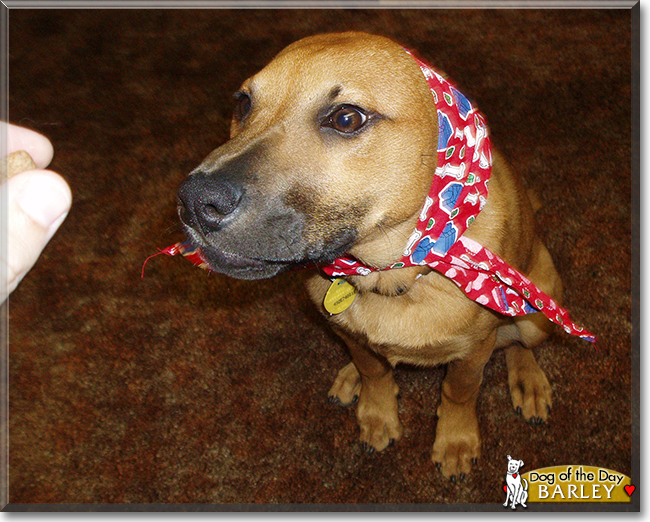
(458, 193)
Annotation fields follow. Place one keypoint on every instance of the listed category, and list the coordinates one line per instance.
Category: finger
(35, 144)
(38, 202)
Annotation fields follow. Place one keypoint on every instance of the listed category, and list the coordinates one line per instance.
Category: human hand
(38, 202)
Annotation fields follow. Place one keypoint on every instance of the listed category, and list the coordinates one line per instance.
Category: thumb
(38, 202)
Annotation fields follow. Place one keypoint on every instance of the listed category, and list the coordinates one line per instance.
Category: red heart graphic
(514, 475)
(505, 488)
(629, 490)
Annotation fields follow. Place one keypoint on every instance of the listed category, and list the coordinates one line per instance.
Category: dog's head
(514, 465)
(332, 151)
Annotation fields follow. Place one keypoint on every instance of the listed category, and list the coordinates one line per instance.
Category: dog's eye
(243, 105)
(346, 119)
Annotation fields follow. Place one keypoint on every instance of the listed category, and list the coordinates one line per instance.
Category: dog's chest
(432, 324)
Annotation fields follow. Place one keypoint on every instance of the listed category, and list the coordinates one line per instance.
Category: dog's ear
(509, 457)
(521, 463)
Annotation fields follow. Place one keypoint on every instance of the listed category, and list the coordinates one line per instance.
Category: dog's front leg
(458, 440)
(508, 495)
(371, 378)
(516, 495)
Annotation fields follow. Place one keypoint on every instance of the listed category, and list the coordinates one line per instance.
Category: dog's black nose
(205, 201)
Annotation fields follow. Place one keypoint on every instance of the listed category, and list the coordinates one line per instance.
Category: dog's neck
(380, 249)
(385, 243)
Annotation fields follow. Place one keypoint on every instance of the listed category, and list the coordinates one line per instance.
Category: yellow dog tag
(339, 296)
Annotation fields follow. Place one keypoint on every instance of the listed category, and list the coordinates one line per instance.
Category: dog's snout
(205, 201)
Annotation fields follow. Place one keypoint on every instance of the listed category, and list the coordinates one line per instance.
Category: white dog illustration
(515, 489)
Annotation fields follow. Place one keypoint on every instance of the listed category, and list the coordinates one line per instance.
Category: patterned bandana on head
(458, 193)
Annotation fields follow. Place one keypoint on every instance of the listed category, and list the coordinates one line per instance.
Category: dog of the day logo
(516, 487)
(569, 483)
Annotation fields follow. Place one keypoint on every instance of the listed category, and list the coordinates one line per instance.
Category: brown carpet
(187, 387)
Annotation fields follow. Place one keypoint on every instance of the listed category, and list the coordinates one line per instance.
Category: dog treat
(15, 163)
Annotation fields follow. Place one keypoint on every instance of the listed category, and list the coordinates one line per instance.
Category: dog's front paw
(346, 387)
(377, 413)
(529, 388)
(458, 441)
(378, 421)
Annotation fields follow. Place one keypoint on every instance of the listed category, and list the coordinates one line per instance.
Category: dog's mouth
(247, 266)
(241, 266)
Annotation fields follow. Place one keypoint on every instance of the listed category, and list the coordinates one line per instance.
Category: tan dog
(332, 151)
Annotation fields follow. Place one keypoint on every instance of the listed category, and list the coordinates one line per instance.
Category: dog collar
(458, 193)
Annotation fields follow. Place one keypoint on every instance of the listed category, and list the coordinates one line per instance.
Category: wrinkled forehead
(379, 76)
